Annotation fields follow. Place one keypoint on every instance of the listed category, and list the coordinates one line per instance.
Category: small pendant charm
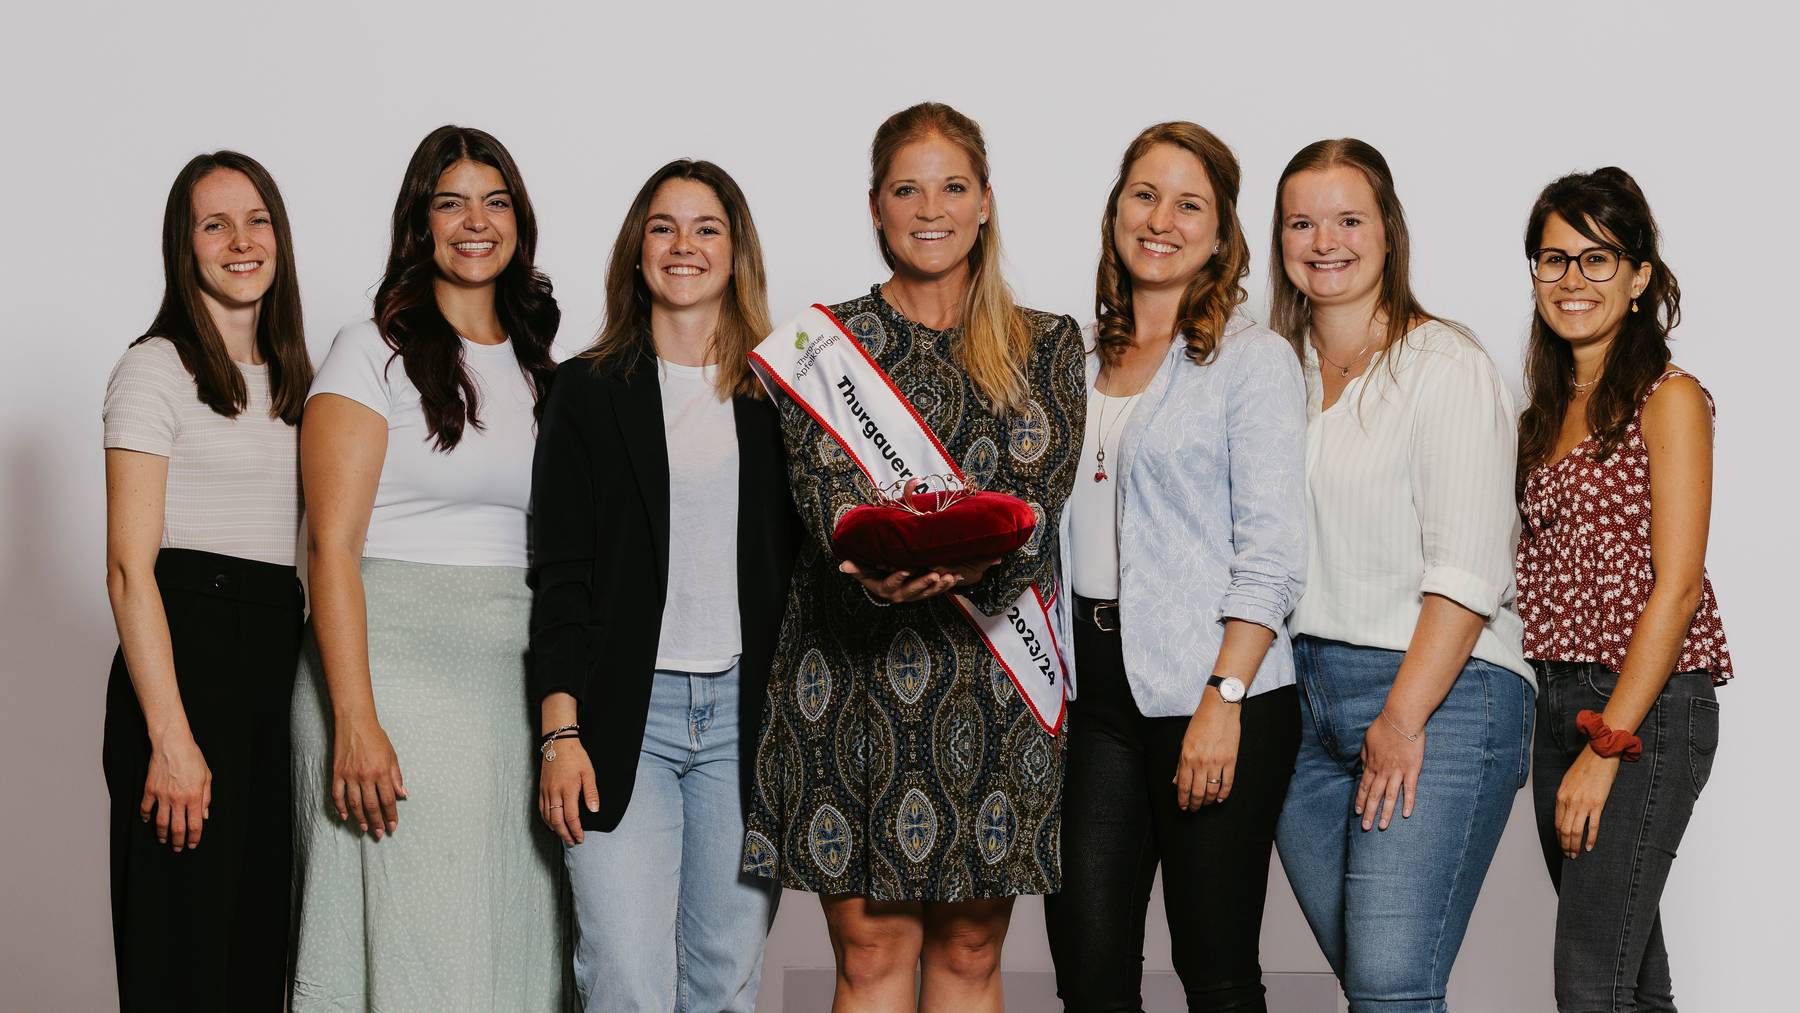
(1343, 371)
(1099, 476)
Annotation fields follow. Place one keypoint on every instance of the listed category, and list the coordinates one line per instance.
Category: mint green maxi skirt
(462, 908)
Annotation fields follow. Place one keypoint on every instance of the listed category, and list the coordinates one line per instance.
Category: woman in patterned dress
(1615, 485)
(900, 774)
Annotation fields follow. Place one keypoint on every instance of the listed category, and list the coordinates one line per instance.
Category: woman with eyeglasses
(1615, 485)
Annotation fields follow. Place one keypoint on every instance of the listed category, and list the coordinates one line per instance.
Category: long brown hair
(1217, 290)
(183, 318)
(995, 339)
(1290, 312)
(406, 309)
(1608, 208)
(624, 342)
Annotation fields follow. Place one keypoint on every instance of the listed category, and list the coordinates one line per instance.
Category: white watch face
(1232, 690)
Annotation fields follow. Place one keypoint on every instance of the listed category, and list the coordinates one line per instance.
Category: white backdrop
(1475, 108)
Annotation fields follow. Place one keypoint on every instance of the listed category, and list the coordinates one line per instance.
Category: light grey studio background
(1476, 106)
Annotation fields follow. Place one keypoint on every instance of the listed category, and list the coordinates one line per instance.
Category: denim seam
(1468, 834)
(1657, 715)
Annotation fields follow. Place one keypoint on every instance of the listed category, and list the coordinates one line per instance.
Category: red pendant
(1100, 476)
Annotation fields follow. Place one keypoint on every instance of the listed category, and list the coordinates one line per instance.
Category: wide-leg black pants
(1120, 822)
(207, 929)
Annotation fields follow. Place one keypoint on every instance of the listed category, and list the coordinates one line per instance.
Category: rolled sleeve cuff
(1464, 588)
(1263, 610)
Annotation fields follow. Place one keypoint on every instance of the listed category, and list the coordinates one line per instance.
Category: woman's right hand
(365, 776)
(179, 792)
(563, 784)
(902, 586)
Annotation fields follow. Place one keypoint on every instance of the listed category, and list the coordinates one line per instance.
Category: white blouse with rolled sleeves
(1409, 485)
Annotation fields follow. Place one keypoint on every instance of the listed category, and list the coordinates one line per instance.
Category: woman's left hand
(1580, 799)
(1390, 778)
(1208, 762)
(902, 586)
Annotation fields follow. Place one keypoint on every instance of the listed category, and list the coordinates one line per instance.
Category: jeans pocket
(1703, 740)
(1599, 680)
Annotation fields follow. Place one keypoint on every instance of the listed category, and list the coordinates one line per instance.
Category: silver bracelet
(1393, 724)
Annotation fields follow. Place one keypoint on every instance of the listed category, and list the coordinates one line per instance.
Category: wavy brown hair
(1290, 312)
(184, 320)
(406, 309)
(1608, 208)
(1217, 289)
(995, 340)
(625, 342)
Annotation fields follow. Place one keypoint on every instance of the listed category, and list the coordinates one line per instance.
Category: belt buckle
(1102, 627)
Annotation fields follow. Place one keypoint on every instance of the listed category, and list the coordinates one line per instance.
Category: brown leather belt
(1104, 614)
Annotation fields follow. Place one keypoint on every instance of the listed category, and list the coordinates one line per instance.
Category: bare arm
(1677, 425)
(1210, 744)
(178, 790)
(342, 446)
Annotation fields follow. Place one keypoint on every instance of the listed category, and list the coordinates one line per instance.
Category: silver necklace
(1582, 388)
(1100, 474)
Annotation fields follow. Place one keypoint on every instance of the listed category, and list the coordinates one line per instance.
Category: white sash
(815, 362)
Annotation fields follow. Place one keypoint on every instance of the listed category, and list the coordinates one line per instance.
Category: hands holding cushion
(901, 586)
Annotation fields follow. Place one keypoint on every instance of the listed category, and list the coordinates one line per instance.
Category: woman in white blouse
(1417, 704)
(411, 705)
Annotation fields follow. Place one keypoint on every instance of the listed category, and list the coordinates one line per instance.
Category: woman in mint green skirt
(422, 882)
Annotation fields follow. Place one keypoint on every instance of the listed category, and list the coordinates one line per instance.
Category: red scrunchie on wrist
(1609, 742)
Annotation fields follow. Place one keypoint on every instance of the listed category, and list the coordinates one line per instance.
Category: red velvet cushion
(977, 527)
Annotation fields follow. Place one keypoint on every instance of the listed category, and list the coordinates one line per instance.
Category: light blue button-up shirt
(1212, 515)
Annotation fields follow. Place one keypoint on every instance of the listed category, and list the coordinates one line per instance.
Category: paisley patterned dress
(897, 760)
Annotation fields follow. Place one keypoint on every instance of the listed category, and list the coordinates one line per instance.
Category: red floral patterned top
(1583, 565)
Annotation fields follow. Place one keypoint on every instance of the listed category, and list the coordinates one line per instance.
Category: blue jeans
(1389, 907)
(666, 921)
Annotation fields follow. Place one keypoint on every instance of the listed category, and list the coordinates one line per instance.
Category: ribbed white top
(234, 484)
(1409, 484)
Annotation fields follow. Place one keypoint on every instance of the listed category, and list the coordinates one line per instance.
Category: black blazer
(600, 563)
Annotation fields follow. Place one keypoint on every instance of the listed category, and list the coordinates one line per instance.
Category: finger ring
(557, 806)
(1214, 780)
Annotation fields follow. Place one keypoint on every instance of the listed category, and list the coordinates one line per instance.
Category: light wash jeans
(1389, 907)
(666, 920)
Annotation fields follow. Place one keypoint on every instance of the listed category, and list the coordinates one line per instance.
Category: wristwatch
(1230, 690)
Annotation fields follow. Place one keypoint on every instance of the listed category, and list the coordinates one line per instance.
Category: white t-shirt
(1094, 506)
(701, 630)
(1409, 488)
(234, 484)
(462, 508)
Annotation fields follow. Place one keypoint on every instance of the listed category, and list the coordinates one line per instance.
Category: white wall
(1476, 107)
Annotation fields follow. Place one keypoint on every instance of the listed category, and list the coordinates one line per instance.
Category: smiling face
(1166, 222)
(473, 229)
(1580, 311)
(930, 208)
(686, 260)
(1333, 244)
(234, 239)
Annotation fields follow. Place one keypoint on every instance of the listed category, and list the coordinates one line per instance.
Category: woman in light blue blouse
(1185, 546)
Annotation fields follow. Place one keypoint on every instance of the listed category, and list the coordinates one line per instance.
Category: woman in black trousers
(202, 514)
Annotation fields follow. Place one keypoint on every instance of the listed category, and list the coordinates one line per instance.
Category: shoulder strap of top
(1658, 382)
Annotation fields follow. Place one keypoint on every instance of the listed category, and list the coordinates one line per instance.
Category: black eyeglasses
(1596, 263)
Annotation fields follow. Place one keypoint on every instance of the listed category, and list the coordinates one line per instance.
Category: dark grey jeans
(1609, 943)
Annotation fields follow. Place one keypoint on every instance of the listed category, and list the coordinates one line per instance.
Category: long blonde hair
(624, 342)
(995, 340)
(1217, 290)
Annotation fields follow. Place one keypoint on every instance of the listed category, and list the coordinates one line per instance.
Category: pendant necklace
(1342, 369)
(1103, 431)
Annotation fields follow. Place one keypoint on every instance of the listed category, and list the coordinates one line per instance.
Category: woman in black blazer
(663, 539)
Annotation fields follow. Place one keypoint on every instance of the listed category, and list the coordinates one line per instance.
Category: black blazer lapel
(639, 410)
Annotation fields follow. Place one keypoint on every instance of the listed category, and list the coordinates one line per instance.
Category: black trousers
(207, 929)
(1120, 822)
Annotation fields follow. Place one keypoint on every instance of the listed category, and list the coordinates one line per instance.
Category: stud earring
(1215, 249)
